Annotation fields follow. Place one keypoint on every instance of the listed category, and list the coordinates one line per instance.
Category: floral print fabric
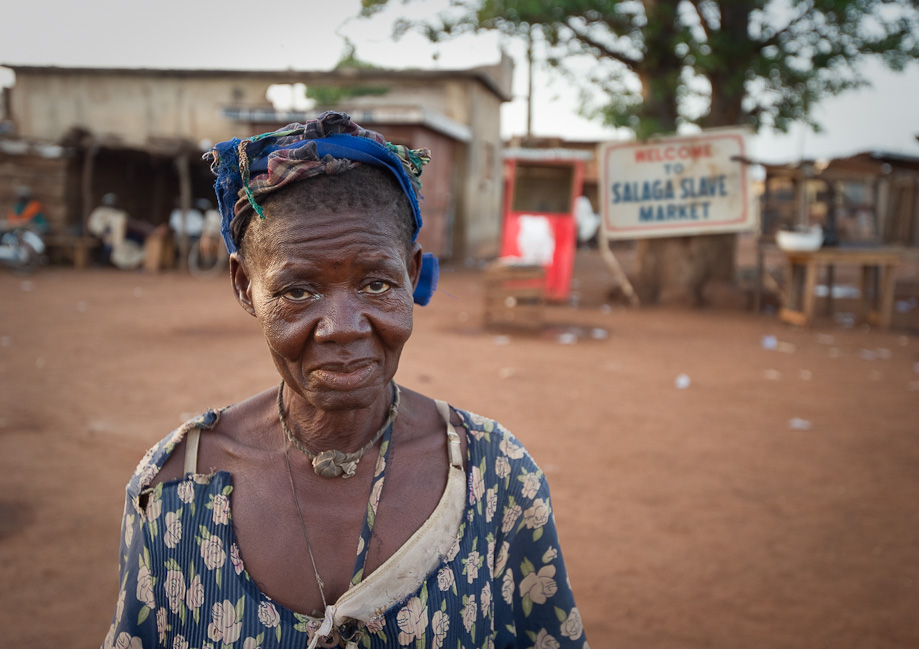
(183, 583)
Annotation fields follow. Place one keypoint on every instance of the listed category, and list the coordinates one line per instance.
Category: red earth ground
(695, 517)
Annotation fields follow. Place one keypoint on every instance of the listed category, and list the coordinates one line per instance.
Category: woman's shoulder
(157, 456)
(486, 429)
(488, 437)
(165, 461)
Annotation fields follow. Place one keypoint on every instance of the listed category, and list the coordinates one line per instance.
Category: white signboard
(677, 186)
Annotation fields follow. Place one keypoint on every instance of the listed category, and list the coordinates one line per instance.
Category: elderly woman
(363, 514)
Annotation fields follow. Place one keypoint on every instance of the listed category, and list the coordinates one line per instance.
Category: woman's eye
(377, 287)
(297, 295)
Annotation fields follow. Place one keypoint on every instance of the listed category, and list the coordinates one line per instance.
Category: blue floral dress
(183, 583)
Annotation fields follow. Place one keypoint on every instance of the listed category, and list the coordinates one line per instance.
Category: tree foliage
(332, 95)
(656, 64)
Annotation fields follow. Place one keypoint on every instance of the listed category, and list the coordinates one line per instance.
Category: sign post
(677, 186)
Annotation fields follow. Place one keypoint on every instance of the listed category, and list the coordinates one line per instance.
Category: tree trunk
(700, 270)
(687, 271)
(659, 69)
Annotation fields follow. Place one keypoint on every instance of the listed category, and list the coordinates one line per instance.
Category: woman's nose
(342, 319)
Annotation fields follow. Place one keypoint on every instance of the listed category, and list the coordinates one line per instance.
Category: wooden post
(810, 285)
(616, 268)
(793, 290)
(86, 184)
(803, 213)
(530, 85)
(888, 288)
(185, 205)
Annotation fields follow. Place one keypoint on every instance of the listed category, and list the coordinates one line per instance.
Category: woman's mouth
(344, 377)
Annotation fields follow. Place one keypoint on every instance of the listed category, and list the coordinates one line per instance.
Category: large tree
(656, 65)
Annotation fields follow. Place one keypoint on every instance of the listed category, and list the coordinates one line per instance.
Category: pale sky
(307, 35)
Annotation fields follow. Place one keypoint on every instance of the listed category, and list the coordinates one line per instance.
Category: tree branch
(703, 23)
(586, 38)
(794, 22)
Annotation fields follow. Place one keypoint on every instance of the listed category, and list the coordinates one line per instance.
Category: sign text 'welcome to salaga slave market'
(677, 186)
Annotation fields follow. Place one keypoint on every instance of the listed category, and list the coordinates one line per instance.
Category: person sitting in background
(110, 224)
(193, 221)
(27, 212)
(588, 222)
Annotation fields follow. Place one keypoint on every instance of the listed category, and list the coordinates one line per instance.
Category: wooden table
(799, 305)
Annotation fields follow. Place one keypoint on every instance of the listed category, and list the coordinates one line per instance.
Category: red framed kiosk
(540, 190)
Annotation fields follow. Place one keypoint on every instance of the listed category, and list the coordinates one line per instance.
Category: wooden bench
(515, 295)
(72, 248)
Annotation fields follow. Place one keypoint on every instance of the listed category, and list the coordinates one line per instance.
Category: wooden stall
(867, 207)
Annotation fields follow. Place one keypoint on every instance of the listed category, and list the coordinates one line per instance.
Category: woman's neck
(341, 430)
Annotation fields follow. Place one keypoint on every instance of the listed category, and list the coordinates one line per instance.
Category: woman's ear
(242, 282)
(414, 264)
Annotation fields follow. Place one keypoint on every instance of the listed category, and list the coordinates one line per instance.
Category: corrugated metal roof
(365, 115)
(480, 74)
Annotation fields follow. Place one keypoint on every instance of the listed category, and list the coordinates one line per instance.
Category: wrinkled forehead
(297, 230)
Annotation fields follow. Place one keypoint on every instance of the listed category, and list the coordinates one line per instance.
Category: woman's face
(333, 293)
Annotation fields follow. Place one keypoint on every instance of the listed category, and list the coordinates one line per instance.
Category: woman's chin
(337, 393)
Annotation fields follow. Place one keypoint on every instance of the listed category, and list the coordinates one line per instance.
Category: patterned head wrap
(332, 144)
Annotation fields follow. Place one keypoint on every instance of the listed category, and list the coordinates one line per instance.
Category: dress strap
(453, 440)
(191, 450)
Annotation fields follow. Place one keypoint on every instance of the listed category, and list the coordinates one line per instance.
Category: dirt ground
(771, 503)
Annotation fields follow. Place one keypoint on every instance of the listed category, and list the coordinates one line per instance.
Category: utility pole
(529, 84)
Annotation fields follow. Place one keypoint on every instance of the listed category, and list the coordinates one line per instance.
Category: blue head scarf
(252, 167)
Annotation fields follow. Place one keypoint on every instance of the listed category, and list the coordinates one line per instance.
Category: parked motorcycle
(21, 249)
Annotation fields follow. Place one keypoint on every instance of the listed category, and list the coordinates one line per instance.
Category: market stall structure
(76, 134)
